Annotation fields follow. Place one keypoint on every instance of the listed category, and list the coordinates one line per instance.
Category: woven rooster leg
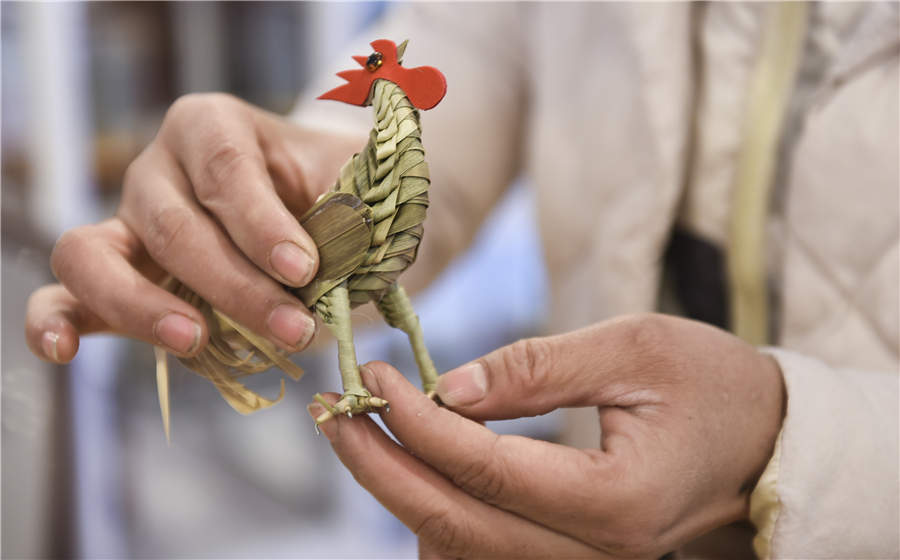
(334, 309)
(398, 312)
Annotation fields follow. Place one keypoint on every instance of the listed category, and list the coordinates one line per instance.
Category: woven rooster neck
(367, 229)
(390, 176)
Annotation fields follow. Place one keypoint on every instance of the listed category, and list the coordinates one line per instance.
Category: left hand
(689, 416)
(211, 201)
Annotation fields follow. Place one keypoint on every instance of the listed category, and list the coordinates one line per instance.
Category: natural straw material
(367, 230)
(390, 176)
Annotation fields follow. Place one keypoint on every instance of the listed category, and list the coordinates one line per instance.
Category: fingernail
(314, 409)
(178, 333)
(463, 386)
(291, 262)
(291, 326)
(48, 345)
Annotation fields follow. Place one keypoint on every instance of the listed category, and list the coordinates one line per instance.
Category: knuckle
(647, 335)
(448, 536)
(645, 330)
(483, 477)
(68, 250)
(183, 108)
(219, 163)
(132, 172)
(197, 105)
(164, 227)
(135, 177)
(211, 148)
(530, 360)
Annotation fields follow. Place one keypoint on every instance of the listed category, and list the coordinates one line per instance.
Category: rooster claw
(349, 404)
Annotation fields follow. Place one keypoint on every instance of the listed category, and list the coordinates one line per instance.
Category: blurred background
(86, 471)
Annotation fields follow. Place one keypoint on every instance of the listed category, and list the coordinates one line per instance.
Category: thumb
(533, 376)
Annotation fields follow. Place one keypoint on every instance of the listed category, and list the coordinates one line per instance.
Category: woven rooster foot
(356, 402)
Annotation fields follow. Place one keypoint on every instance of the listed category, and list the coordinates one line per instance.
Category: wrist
(773, 399)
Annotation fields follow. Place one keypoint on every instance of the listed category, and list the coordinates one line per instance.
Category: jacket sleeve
(473, 137)
(831, 488)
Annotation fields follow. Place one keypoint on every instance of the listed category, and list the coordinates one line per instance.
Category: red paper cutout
(425, 86)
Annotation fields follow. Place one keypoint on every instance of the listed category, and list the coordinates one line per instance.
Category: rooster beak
(401, 48)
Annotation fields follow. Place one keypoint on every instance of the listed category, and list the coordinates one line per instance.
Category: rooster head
(424, 86)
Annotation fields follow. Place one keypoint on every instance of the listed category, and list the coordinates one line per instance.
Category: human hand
(689, 416)
(211, 201)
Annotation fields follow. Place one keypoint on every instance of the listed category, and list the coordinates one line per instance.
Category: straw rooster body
(367, 229)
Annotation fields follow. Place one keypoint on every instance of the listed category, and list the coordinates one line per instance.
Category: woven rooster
(367, 229)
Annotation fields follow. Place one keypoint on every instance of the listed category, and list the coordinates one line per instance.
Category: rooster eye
(374, 62)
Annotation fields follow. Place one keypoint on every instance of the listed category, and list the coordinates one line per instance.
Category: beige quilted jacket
(630, 120)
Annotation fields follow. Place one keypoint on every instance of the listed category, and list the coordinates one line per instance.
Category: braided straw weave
(391, 177)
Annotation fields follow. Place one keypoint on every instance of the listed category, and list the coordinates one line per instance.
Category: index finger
(220, 150)
(552, 484)
(451, 522)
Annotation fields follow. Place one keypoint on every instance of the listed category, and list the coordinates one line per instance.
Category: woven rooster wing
(367, 229)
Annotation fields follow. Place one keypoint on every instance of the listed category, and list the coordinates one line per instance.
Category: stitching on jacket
(847, 293)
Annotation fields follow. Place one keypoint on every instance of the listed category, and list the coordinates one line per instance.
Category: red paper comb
(424, 86)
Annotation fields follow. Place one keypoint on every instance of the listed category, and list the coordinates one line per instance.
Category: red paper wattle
(425, 86)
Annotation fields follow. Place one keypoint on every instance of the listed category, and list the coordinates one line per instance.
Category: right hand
(689, 416)
(211, 201)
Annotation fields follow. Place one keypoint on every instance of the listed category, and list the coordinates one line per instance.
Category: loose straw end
(162, 388)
